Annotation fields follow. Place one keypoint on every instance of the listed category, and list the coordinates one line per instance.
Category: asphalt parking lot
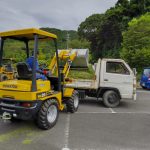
(93, 127)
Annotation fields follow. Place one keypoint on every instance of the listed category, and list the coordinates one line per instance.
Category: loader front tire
(72, 103)
(48, 114)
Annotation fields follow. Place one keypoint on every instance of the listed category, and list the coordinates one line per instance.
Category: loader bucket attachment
(81, 59)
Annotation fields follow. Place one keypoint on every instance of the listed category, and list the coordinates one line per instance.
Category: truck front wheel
(48, 114)
(111, 99)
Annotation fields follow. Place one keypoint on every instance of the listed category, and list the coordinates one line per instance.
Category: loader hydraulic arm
(65, 55)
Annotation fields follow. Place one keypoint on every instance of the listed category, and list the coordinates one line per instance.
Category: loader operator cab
(24, 69)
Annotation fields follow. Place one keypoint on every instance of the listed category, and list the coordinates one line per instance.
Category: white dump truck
(114, 80)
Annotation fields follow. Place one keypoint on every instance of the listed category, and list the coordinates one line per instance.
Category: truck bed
(81, 84)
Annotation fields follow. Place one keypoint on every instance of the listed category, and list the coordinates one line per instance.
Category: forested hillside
(121, 32)
(104, 31)
(12, 47)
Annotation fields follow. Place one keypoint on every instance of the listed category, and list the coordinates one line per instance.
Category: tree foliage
(15, 49)
(136, 42)
(62, 36)
(80, 44)
(104, 31)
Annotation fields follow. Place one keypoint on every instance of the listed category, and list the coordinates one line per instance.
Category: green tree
(89, 29)
(62, 37)
(104, 31)
(76, 43)
(136, 42)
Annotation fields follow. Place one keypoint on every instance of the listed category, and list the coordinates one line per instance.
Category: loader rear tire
(72, 103)
(111, 99)
(48, 114)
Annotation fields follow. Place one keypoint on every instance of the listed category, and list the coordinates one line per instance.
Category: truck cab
(117, 74)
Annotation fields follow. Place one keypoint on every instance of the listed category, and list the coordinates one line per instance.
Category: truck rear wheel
(72, 103)
(111, 99)
(48, 114)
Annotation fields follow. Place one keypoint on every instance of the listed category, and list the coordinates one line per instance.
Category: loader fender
(68, 92)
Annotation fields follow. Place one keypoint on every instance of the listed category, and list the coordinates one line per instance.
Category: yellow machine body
(8, 75)
(21, 90)
(28, 97)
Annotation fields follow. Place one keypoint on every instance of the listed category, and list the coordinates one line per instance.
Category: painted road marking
(67, 130)
(65, 149)
(112, 111)
(142, 91)
(93, 112)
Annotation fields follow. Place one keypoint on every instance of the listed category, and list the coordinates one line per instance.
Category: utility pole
(144, 6)
(67, 40)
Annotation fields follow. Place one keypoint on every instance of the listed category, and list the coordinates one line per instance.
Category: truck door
(118, 75)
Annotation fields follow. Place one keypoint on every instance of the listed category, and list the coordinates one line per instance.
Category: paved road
(93, 127)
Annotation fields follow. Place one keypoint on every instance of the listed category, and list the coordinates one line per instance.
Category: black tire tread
(42, 121)
(106, 102)
(70, 103)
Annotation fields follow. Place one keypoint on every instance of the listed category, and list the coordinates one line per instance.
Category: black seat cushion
(24, 71)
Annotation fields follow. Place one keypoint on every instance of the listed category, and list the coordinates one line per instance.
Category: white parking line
(102, 112)
(112, 111)
(67, 128)
(142, 91)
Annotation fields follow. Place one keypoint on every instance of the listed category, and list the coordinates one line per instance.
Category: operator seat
(24, 71)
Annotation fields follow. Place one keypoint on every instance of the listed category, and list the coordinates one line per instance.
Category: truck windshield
(147, 72)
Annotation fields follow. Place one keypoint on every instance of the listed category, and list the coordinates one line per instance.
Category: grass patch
(82, 73)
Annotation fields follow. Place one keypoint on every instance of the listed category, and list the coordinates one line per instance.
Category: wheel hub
(52, 114)
(76, 101)
(112, 98)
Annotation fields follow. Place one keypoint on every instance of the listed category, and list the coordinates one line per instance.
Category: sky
(61, 14)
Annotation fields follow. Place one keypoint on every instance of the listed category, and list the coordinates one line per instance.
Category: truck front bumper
(16, 110)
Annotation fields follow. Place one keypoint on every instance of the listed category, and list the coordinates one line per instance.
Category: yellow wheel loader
(28, 97)
(64, 55)
(7, 71)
